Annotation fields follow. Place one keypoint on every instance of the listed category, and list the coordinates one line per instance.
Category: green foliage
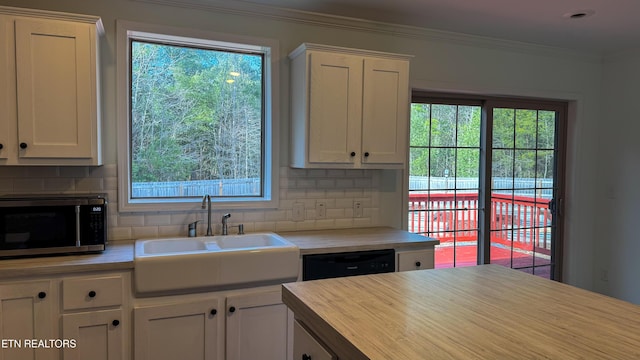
(435, 132)
(196, 113)
(445, 139)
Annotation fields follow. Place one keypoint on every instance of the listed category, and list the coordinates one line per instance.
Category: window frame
(189, 37)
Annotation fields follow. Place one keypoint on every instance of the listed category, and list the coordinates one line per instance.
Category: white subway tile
(42, 171)
(131, 220)
(6, 185)
(144, 232)
(264, 226)
(59, 184)
(157, 219)
(90, 184)
(254, 216)
(74, 171)
(275, 215)
(344, 223)
(28, 185)
(119, 233)
(305, 183)
(285, 226)
(175, 230)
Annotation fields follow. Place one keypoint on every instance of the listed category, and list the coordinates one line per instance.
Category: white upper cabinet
(350, 108)
(50, 105)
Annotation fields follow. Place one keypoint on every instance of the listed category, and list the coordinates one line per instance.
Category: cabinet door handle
(353, 153)
(418, 263)
(306, 357)
(23, 145)
(232, 309)
(115, 322)
(42, 295)
(1, 146)
(366, 154)
(213, 312)
(92, 294)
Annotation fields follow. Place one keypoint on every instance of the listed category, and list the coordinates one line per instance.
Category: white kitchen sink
(251, 241)
(190, 264)
(172, 246)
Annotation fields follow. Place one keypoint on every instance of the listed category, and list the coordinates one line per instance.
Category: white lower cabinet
(27, 311)
(189, 330)
(306, 347)
(232, 325)
(257, 326)
(66, 317)
(415, 259)
(98, 335)
(95, 316)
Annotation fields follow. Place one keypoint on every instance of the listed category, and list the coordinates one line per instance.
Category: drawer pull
(418, 264)
(213, 312)
(92, 294)
(115, 322)
(232, 309)
(42, 295)
(23, 146)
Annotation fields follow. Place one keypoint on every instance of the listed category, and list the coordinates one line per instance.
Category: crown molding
(245, 8)
(55, 15)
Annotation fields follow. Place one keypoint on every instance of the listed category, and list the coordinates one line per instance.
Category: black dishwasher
(323, 266)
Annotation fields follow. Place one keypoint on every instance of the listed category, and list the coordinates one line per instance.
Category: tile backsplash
(338, 189)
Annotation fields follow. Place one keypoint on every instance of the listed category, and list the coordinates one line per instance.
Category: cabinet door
(98, 335)
(335, 108)
(7, 89)
(257, 326)
(180, 331)
(385, 111)
(56, 89)
(305, 346)
(415, 260)
(27, 311)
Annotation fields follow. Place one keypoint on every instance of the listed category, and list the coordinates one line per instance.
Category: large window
(199, 119)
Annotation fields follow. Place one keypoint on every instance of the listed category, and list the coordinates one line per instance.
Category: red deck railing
(518, 222)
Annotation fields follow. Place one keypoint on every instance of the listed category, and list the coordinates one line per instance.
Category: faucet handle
(193, 229)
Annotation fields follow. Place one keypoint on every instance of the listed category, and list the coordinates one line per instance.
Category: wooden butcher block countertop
(482, 312)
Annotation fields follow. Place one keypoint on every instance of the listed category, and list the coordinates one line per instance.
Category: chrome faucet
(225, 229)
(206, 204)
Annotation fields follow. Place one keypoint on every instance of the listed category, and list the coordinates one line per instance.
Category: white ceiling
(613, 27)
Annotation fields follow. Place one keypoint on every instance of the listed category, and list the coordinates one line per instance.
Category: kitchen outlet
(357, 209)
(321, 210)
(298, 211)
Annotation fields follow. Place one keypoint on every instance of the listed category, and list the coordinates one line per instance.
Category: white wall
(443, 61)
(618, 236)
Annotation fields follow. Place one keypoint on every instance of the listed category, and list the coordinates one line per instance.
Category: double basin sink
(192, 263)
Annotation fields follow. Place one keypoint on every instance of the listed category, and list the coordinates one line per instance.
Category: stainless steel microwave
(52, 224)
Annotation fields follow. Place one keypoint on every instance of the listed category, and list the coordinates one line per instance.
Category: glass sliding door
(444, 178)
(485, 178)
(523, 186)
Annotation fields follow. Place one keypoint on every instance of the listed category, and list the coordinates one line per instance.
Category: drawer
(92, 292)
(415, 260)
